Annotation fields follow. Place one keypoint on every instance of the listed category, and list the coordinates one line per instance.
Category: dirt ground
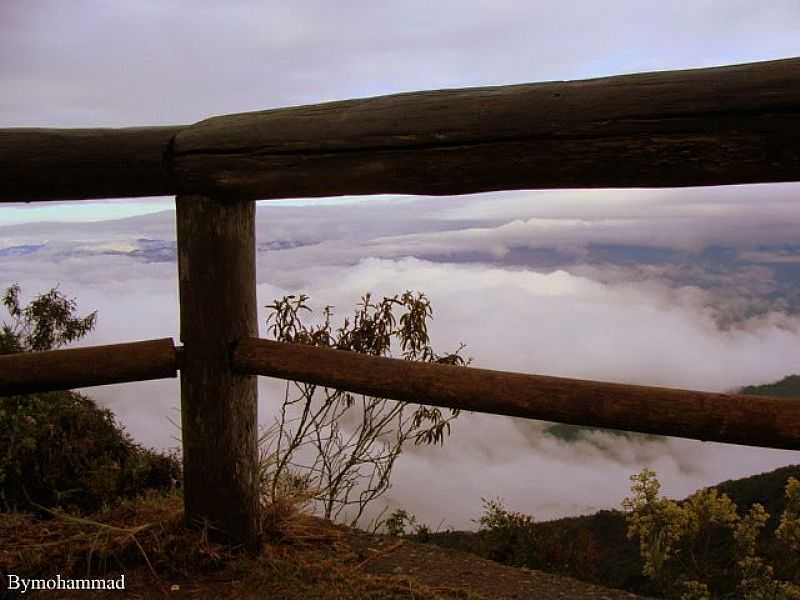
(444, 568)
(449, 574)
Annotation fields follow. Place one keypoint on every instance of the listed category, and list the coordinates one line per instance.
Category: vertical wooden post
(217, 283)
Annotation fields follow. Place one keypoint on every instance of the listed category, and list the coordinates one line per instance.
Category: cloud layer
(628, 292)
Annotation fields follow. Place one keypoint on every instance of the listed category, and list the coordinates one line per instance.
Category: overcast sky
(104, 63)
(689, 324)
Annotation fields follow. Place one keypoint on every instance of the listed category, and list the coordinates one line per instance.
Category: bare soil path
(445, 568)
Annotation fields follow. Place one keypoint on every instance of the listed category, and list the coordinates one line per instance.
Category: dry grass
(303, 557)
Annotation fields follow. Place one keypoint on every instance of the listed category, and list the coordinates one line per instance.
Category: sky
(695, 288)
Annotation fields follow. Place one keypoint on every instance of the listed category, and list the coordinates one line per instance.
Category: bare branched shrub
(341, 447)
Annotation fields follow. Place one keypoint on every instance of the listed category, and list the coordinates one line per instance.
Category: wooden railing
(719, 126)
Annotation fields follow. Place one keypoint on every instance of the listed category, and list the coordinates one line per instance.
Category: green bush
(704, 548)
(506, 536)
(61, 449)
(397, 522)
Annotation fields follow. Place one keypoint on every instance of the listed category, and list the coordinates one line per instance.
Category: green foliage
(506, 536)
(657, 522)
(596, 548)
(397, 522)
(702, 548)
(343, 446)
(789, 529)
(60, 448)
(695, 590)
(48, 322)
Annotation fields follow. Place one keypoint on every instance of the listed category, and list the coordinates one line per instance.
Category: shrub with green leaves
(703, 548)
(46, 323)
(506, 536)
(60, 448)
(397, 522)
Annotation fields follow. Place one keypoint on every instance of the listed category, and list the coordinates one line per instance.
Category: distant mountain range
(22, 250)
(737, 283)
(143, 249)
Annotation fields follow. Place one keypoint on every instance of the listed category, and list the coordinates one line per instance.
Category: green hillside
(595, 547)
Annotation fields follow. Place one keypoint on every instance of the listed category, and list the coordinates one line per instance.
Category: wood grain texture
(716, 126)
(75, 164)
(31, 372)
(216, 270)
(747, 420)
(724, 125)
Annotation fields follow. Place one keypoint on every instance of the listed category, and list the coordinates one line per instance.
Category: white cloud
(561, 324)
(602, 322)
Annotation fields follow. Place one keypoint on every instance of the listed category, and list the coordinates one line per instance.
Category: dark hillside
(765, 488)
(788, 386)
(595, 547)
(592, 548)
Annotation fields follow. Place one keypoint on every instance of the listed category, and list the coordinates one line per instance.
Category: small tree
(398, 521)
(342, 446)
(48, 322)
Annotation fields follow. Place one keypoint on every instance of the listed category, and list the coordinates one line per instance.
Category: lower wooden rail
(30, 372)
(731, 418)
(737, 419)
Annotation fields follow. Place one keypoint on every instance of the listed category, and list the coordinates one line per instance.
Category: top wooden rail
(80, 164)
(715, 126)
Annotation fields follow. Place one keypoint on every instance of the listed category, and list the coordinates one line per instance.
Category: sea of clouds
(682, 288)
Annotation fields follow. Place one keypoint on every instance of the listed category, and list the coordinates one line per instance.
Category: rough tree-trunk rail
(715, 126)
(747, 420)
(77, 164)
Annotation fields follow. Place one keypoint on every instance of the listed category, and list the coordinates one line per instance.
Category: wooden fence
(719, 126)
